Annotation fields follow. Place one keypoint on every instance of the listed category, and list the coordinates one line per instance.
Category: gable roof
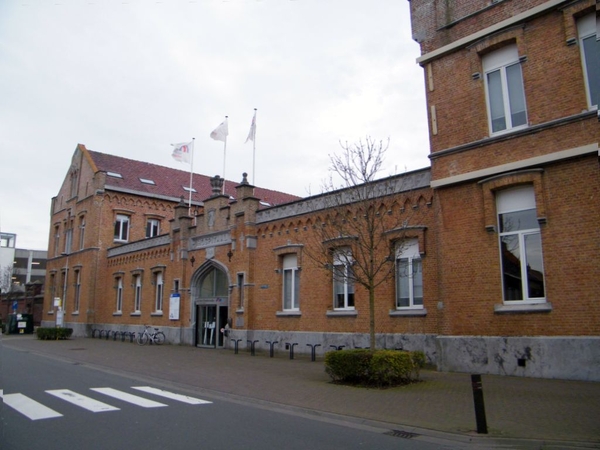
(151, 180)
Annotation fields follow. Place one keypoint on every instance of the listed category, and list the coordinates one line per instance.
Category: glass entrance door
(211, 308)
(207, 325)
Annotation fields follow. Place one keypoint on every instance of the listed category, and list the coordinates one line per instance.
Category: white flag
(220, 133)
(183, 152)
(252, 132)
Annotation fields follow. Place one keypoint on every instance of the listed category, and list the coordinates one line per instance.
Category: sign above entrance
(211, 240)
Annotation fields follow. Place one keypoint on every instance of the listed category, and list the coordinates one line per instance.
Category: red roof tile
(170, 182)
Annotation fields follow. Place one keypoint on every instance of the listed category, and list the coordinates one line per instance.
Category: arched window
(214, 284)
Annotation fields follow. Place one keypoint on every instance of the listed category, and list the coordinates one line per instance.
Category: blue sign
(14, 305)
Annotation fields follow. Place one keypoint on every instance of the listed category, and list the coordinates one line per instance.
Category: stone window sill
(523, 309)
(135, 314)
(342, 313)
(288, 313)
(408, 312)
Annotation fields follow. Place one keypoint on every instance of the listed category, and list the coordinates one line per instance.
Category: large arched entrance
(211, 305)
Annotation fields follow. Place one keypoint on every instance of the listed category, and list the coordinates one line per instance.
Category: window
(77, 290)
(409, 275)
(137, 284)
(152, 228)
(291, 283)
(81, 232)
(343, 279)
(240, 286)
(68, 237)
(122, 228)
(56, 241)
(504, 87)
(214, 284)
(520, 246)
(119, 302)
(159, 285)
(65, 272)
(590, 56)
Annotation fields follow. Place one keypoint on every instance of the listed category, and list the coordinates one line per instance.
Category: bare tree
(352, 239)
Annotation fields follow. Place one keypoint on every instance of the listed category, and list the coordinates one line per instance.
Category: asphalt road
(55, 404)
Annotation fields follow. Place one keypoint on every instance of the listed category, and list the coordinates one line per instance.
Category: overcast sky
(130, 77)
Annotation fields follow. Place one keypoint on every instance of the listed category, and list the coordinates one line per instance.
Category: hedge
(381, 368)
(52, 333)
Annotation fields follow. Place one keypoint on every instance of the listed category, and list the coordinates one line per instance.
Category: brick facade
(450, 212)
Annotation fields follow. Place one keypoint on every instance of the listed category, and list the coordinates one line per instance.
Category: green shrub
(52, 333)
(349, 366)
(378, 368)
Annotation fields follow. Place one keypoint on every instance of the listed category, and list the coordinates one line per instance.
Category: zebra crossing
(35, 410)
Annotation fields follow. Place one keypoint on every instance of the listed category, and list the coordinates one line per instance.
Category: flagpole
(224, 158)
(191, 177)
(254, 150)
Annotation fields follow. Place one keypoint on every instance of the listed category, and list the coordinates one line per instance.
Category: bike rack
(337, 347)
(290, 346)
(236, 342)
(252, 344)
(271, 344)
(313, 348)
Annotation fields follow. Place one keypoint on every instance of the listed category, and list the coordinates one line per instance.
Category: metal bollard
(236, 342)
(290, 346)
(313, 348)
(252, 344)
(271, 344)
(479, 405)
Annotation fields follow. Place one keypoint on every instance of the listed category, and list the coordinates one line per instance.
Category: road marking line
(130, 398)
(82, 401)
(28, 407)
(171, 395)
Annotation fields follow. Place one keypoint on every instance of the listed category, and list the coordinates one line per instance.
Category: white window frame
(291, 283)
(152, 228)
(343, 283)
(408, 253)
(122, 225)
(68, 238)
(119, 299)
(515, 200)
(499, 62)
(81, 232)
(137, 297)
(159, 291)
(587, 27)
(77, 286)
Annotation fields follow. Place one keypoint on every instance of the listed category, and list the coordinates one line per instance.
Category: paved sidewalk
(538, 412)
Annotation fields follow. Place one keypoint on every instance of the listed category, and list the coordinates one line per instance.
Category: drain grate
(402, 434)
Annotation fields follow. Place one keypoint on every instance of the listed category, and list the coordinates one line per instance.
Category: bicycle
(154, 337)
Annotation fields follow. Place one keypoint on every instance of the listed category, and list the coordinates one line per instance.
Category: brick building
(492, 254)
(512, 92)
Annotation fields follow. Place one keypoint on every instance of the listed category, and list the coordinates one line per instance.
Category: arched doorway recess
(211, 304)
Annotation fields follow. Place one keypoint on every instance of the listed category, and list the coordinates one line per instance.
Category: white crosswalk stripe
(28, 407)
(35, 410)
(171, 395)
(81, 400)
(129, 398)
